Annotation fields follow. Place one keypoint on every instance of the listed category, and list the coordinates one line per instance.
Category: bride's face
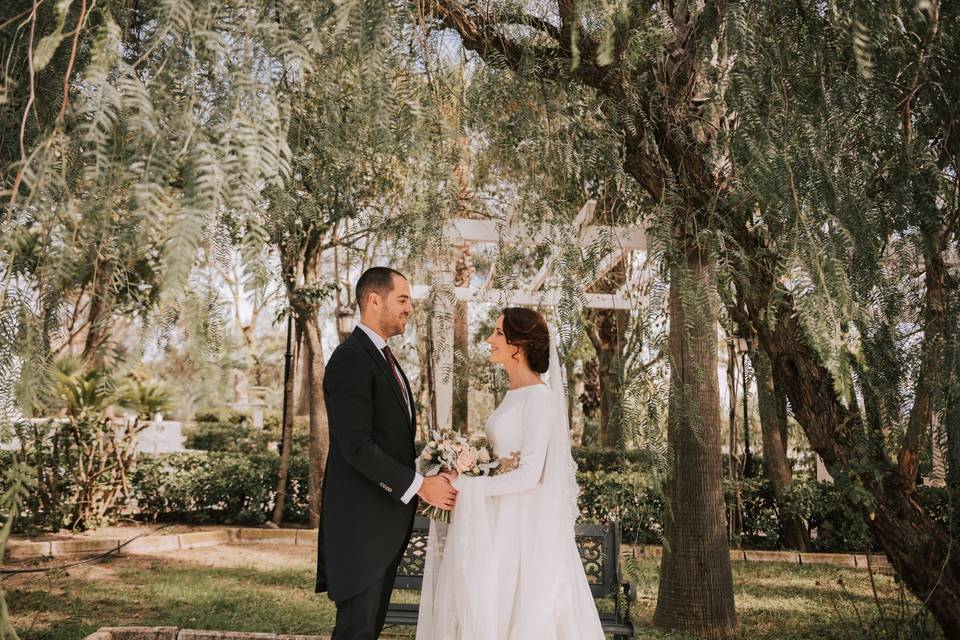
(500, 351)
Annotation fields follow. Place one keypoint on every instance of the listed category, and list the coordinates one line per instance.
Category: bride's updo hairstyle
(528, 330)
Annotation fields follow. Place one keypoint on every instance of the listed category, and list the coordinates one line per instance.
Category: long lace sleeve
(536, 415)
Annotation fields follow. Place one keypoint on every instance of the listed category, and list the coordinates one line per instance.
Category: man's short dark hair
(375, 279)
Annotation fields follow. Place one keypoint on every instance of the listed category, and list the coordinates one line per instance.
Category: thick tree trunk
(607, 337)
(319, 428)
(696, 579)
(916, 545)
(772, 404)
(286, 428)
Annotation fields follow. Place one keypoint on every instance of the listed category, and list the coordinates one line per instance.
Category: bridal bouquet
(451, 451)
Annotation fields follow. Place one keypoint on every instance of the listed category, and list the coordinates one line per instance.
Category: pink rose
(466, 461)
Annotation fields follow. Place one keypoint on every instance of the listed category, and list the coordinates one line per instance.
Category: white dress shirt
(380, 342)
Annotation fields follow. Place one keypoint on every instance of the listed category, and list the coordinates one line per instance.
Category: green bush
(222, 415)
(217, 487)
(615, 460)
(626, 497)
(231, 487)
(228, 437)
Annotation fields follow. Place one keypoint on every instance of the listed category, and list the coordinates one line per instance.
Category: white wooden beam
(518, 297)
(580, 221)
(493, 232)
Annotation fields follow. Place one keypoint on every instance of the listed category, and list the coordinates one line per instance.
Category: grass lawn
(269, 588)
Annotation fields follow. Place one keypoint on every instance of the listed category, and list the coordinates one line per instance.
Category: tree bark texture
(772, 405)
(286, 432)
(607, 334)
(696, 579)
(917, 546)
(319, 427)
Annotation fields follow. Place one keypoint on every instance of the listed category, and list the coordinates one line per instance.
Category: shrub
(217, 487)
(238, 488)
(228, 437)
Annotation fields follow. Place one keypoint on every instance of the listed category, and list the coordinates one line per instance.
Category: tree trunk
(319, 428)
(747, 454)
(461, 370)
(734, 521)
(303, 390)
(98, 318)
(917, 546)
(590, 403)
(696, 579)
(427, 410)
(607, 330)
(772, 404)
(951, 419)
(286, 427)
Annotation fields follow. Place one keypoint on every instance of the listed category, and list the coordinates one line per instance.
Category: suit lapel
(381, 363)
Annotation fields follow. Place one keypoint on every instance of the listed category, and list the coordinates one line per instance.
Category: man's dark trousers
(361, 617)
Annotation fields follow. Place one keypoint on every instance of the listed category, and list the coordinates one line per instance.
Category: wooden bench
(599, 548)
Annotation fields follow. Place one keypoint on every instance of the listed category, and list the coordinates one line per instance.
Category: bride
(507, 565)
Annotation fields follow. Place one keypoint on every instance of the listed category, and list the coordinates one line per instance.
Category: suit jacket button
(386, 488)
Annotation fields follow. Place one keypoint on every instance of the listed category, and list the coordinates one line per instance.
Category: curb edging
(149, 545)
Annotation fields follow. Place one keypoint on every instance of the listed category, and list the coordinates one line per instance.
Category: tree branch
(928, 379)
(479, 33)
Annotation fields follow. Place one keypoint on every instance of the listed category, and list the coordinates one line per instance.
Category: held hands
(436, 491)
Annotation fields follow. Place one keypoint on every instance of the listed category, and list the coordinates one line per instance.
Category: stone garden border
(150, 545)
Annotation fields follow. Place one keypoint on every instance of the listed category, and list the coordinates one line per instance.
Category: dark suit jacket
(363, 523)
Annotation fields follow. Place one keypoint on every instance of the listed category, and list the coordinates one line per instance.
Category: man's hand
(436, 491)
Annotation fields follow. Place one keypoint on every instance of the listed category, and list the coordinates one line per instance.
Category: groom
(370, 484)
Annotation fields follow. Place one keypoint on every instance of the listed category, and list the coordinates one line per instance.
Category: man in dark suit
(370, 487)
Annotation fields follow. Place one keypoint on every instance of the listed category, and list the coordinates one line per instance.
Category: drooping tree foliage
(801, 155)
(795, 160)
(126, 128)
(843, 247)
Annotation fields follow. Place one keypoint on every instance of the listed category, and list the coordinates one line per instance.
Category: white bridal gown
(507, 566)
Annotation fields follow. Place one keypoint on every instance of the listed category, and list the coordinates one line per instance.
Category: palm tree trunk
(696, 580)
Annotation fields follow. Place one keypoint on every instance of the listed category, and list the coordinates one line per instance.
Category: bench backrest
(599, 547)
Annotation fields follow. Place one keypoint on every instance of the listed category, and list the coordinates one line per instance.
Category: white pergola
(624, 240)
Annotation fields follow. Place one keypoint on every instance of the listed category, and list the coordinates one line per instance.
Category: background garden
(742, 218)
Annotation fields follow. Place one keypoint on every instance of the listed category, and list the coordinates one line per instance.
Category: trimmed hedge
(217, 487)
(236, 488)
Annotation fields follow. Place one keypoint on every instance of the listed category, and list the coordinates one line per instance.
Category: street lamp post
(344, 322)
(286, 426)
(743, 348)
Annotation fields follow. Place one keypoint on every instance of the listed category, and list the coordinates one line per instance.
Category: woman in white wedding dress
(507, 565)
